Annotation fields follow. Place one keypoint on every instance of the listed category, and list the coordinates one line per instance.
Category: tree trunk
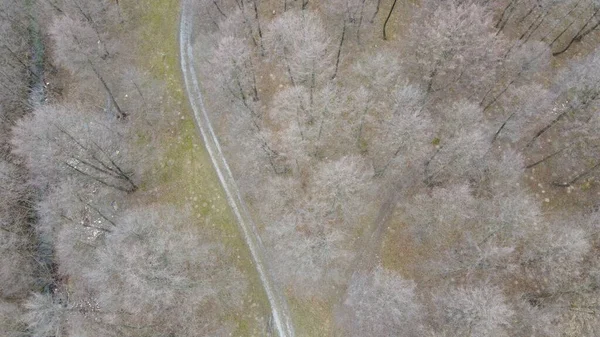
(580, 34)
(219, 9)
(388, 19)
(546, 128)
(121, 114)
(502, 127)
(532, 165)
(502, 22)
(260, 35)
(339, 53)
(579, 176)
(376, 10)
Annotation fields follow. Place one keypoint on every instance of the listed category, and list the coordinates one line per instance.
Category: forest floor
(185, 175)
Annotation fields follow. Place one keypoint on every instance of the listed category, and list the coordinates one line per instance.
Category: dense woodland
(460, 135)
(81, 253)
(417, 168)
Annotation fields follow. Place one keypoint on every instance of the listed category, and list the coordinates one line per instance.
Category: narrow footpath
(280, 313)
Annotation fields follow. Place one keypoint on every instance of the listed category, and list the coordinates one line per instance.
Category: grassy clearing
(185, 175)
(311, 317)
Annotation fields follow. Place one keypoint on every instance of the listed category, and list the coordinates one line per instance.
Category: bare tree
(462, 140)
(558, 275)
(315, 121)
(534, 319)
(527, 19)
(46, 314)
(315, 249)
(502, 175)
(342, 187)
(76, 42)
(573, 119)
(80, 49)
(233, 59)
(435, 215)
(473, 311)
(456, 51)
(381, 303)
(160, 274)
(315, 236)
(78, 216)
(587, 24)
(240, 19)
(561, 24)
(11, 324)
(372, 97)
(402, 132)
(525, 107)
(14, 66)
(350, 15)
(16, 246)
(299, 39)
(556, 255)
(16, 271)
(521, 65)
(58, 142)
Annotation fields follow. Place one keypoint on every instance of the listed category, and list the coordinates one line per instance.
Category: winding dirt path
(281, 318)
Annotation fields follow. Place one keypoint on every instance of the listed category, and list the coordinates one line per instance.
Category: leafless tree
(315, 236)
(233, 59)
(14, 66)
(381, 303)
(521, 65)
(525, 107)
(313, 112)
(102, 14)
(16, 246)
(561, 24)
(372, 97)
(350, 15)
(238, 18)
(46, 314)
(456, 51)
(318, 126)
(78, 216)
(57, 142)
(402, 132)
(342, 187)
(11, 324)
(315, 249)
(556, 256)
(462, 140)
(164, 275)
(572, 118)
(300, 41)
(80, 49)
(476, 311)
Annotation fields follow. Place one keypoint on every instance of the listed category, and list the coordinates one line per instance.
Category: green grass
(185, 175)
(311, 317)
